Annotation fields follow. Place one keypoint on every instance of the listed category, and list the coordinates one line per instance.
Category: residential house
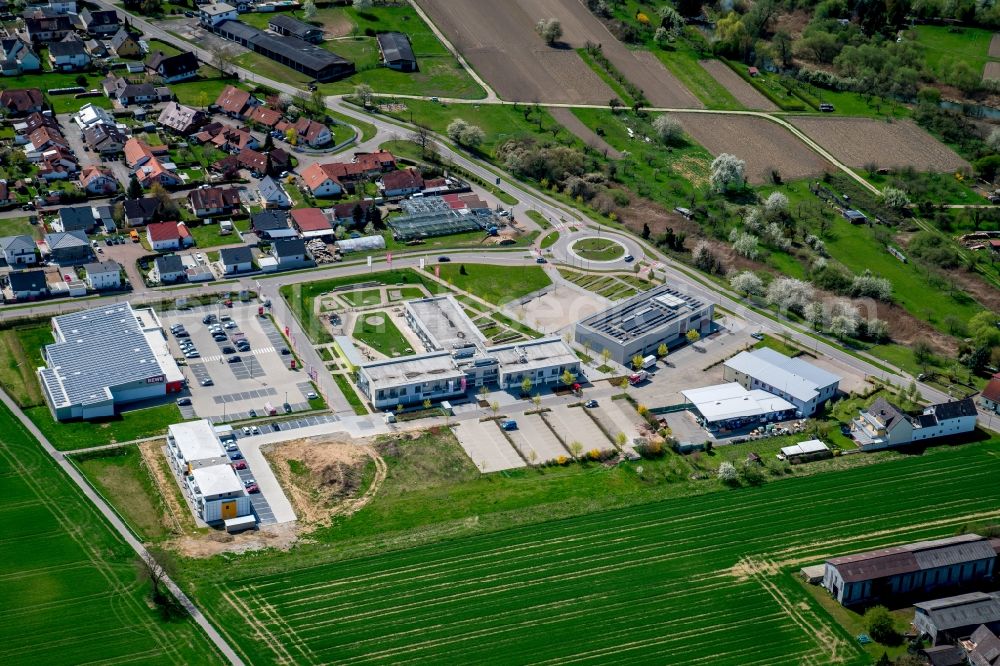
(95, 48)
(271, 225)
(989, 399)
(52, 7)
(320, 181)
(180, 119)
(264, 116)
(212, 201)
(174, 68)
(884, 425)
(283, 24)
(125, 45)
(68, 248)
(214, 13)
(21, 101)
(103, 275)
(27, 285)
(312, 133)
(104, 215)
(125, 93)
(985, 644)
(90, 115)
(236, 259)
(256, 162)
(17, 57)
(140, 212)
(396, 51)
(146, 164)
(956, 618)
(47, 29)
(272, 194)
(168, 268)
(401, 183)
(311, 223)
(67, 56)
(19, 251)
(227, 138)
(25, 126)
(105, 139)
(352, 213)
(103, 23)
(235, 102)
(372, 164)
(290, 253)
(913, 570)
(164, 236)
(75, 218)
(7, 196)
(98, 180)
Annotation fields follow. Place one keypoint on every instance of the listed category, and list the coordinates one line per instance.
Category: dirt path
(744, 93)
(567, 119)
(995, 46)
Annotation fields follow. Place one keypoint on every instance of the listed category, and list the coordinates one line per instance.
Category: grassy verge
(682, 61)
(130, 425)
(496, 284)
(344, 384)
(21, 351)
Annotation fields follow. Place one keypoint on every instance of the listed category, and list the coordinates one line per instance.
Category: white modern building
(730, 406)
(442, 325)
(194, 444)
(103, 275)
(104, 357)
(639, 325)
(803, 384)
(218, 493)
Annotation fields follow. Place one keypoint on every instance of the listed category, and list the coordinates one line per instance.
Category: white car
(311, 395)
(255, 430)
(199, 257)
(249, 482)
(246, 430)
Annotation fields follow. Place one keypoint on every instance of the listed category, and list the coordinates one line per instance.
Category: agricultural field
(70, 585)
(858, 142)
(687, 581)
(565, 117)
(764, 145)
(499, 41)
(745, 93)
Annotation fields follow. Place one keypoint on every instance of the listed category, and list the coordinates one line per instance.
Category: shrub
(727, 473)
(879, 624)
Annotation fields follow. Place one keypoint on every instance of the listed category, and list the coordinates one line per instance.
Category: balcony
(863, 434)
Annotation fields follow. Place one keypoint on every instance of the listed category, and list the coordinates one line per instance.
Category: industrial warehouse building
(956, 618)
(104, 357)
(730, 406)
(639, 325)
(803, 384)
(443, 375)
(312, 60)
(913, 570)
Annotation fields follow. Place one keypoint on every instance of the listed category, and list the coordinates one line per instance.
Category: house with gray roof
(956, 618)
(283, 24)
(168, 268)
(103, 275)
(396, 51)
(75, 218)
(272, 194)
(69, 248)
(236, 259)
(19, 251)
(26, 285)
(985, 647)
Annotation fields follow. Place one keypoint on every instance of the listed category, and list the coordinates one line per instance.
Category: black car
(284, 351)
(228, 350)
(443, 259)
(287, 408)
(233, 359)
(253, 413)
(182, 334)
(275, 426)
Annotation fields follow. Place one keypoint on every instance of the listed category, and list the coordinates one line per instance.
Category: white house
(18, 58)
(168, 236)
(90, 115)
(289, 252)
(884, 425)
(168, 268)
(19, 250)
(236, 259)
(272, 194)
(103, 275)
(803, 384)
(321, 182)
(215, 13)
(68, 56)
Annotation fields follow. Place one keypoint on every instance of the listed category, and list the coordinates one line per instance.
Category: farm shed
(396, 51)
(805, 451)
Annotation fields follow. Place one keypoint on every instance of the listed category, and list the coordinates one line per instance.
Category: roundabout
(603, 251)
(593, 248)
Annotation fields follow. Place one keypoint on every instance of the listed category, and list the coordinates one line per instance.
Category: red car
(253, 489)
(240, 465)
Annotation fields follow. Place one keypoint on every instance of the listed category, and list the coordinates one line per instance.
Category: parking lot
(486, 445)
(574, 426)
(238, 370)
(533, 435)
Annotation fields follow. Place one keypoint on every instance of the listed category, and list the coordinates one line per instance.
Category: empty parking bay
(573, 425)
(487, 447)
(533, 435)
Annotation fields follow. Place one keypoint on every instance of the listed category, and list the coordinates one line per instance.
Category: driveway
(485, 444)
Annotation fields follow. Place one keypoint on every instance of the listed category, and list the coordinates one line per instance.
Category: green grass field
(707, 578)
(21, 350)
(122, 478)
(362, 298)
(344, 384)
(50, 80)
(496, 284)
(376, 330)
(129, 425)
(15, 226)
(69, 583)
(945, 45)
(682, 61)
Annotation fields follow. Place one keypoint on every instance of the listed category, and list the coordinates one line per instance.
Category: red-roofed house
(168, 236)
(320, 182)
(311, 222)
(98, 180)
(989, 399)
(235, 102)
(343, 213)
(209, 201)
(265, 117)
(22, 101)
(138, 152)
(312, 133)
(401, 183)
(381, 161)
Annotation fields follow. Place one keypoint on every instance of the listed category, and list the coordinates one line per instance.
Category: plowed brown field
(761, 143)
(858, 142)
(499, 40)
(745, 93)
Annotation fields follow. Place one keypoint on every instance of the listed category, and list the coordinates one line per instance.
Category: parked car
(275, 426)
(255, 430)
(249, 482)
(235, 455)
(241, 464)
(228, 349)
(207, 382)
(287, 408)
(757, 335)
(509, 424)
(253, 489)
(183, 401)
(590, 404)
(253, 413)
(311, 395)
(233, 359)
(208, 319)
(246, 430)
(232, 446)
(229, 325)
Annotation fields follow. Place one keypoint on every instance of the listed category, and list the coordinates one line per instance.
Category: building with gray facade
(639, 325)
(799, 382)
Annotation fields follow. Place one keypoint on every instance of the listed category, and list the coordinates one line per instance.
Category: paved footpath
(116, 524)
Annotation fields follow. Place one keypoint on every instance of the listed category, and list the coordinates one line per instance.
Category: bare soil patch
(763, 144)
(745, 93)
(858, 142)
(281, 537)
(566, 118)
(794, 23)
(992, 70)
(499, 40)
(336, 26)
(995, 46)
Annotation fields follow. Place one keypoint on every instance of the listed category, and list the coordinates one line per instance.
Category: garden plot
(764, 145)
(744, 93)
(533, 435)
(487, 447)
(860, 142)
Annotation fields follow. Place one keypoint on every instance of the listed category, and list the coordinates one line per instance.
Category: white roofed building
(801, 383)
(194, 444)
(730, 406)
(218, 493)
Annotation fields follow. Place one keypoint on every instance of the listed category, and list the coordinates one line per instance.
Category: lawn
(363, 298)
(946, 44)
(15, 226)
(51, 80)
(21, 353)
(440, 73)
(121, 476)
(664, 571)
(549, 240)
(344, 384)
(495, 284)
(129, 425)
(405, 294)
(598, 249)
(201, 92)
(207, 235)
(70, 585)
(376, 330)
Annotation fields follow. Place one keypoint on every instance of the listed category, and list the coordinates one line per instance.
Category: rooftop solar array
(643, 313)
(100, 348)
